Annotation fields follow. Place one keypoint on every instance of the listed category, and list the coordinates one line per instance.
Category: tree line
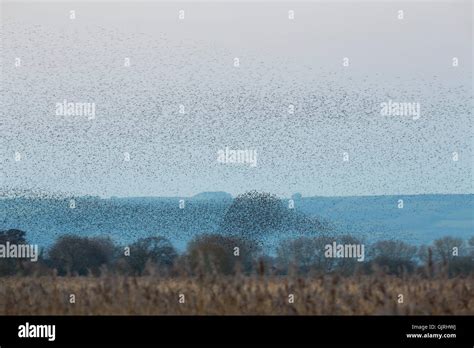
(227, 255)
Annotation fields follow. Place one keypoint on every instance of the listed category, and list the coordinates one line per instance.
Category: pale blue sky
(282, 62)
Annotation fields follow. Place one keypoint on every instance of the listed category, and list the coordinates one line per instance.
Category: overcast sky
(190, 62)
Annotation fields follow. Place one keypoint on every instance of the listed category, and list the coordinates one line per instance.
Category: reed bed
(234, 295)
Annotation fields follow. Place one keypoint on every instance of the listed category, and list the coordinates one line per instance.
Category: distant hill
(422, 219)
(216, 196)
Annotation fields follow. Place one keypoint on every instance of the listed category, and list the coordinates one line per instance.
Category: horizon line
(43, 195)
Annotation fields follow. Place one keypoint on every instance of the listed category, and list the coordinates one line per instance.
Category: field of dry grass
(324, 295)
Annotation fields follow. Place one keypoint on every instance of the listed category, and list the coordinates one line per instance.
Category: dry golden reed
(230, 295)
